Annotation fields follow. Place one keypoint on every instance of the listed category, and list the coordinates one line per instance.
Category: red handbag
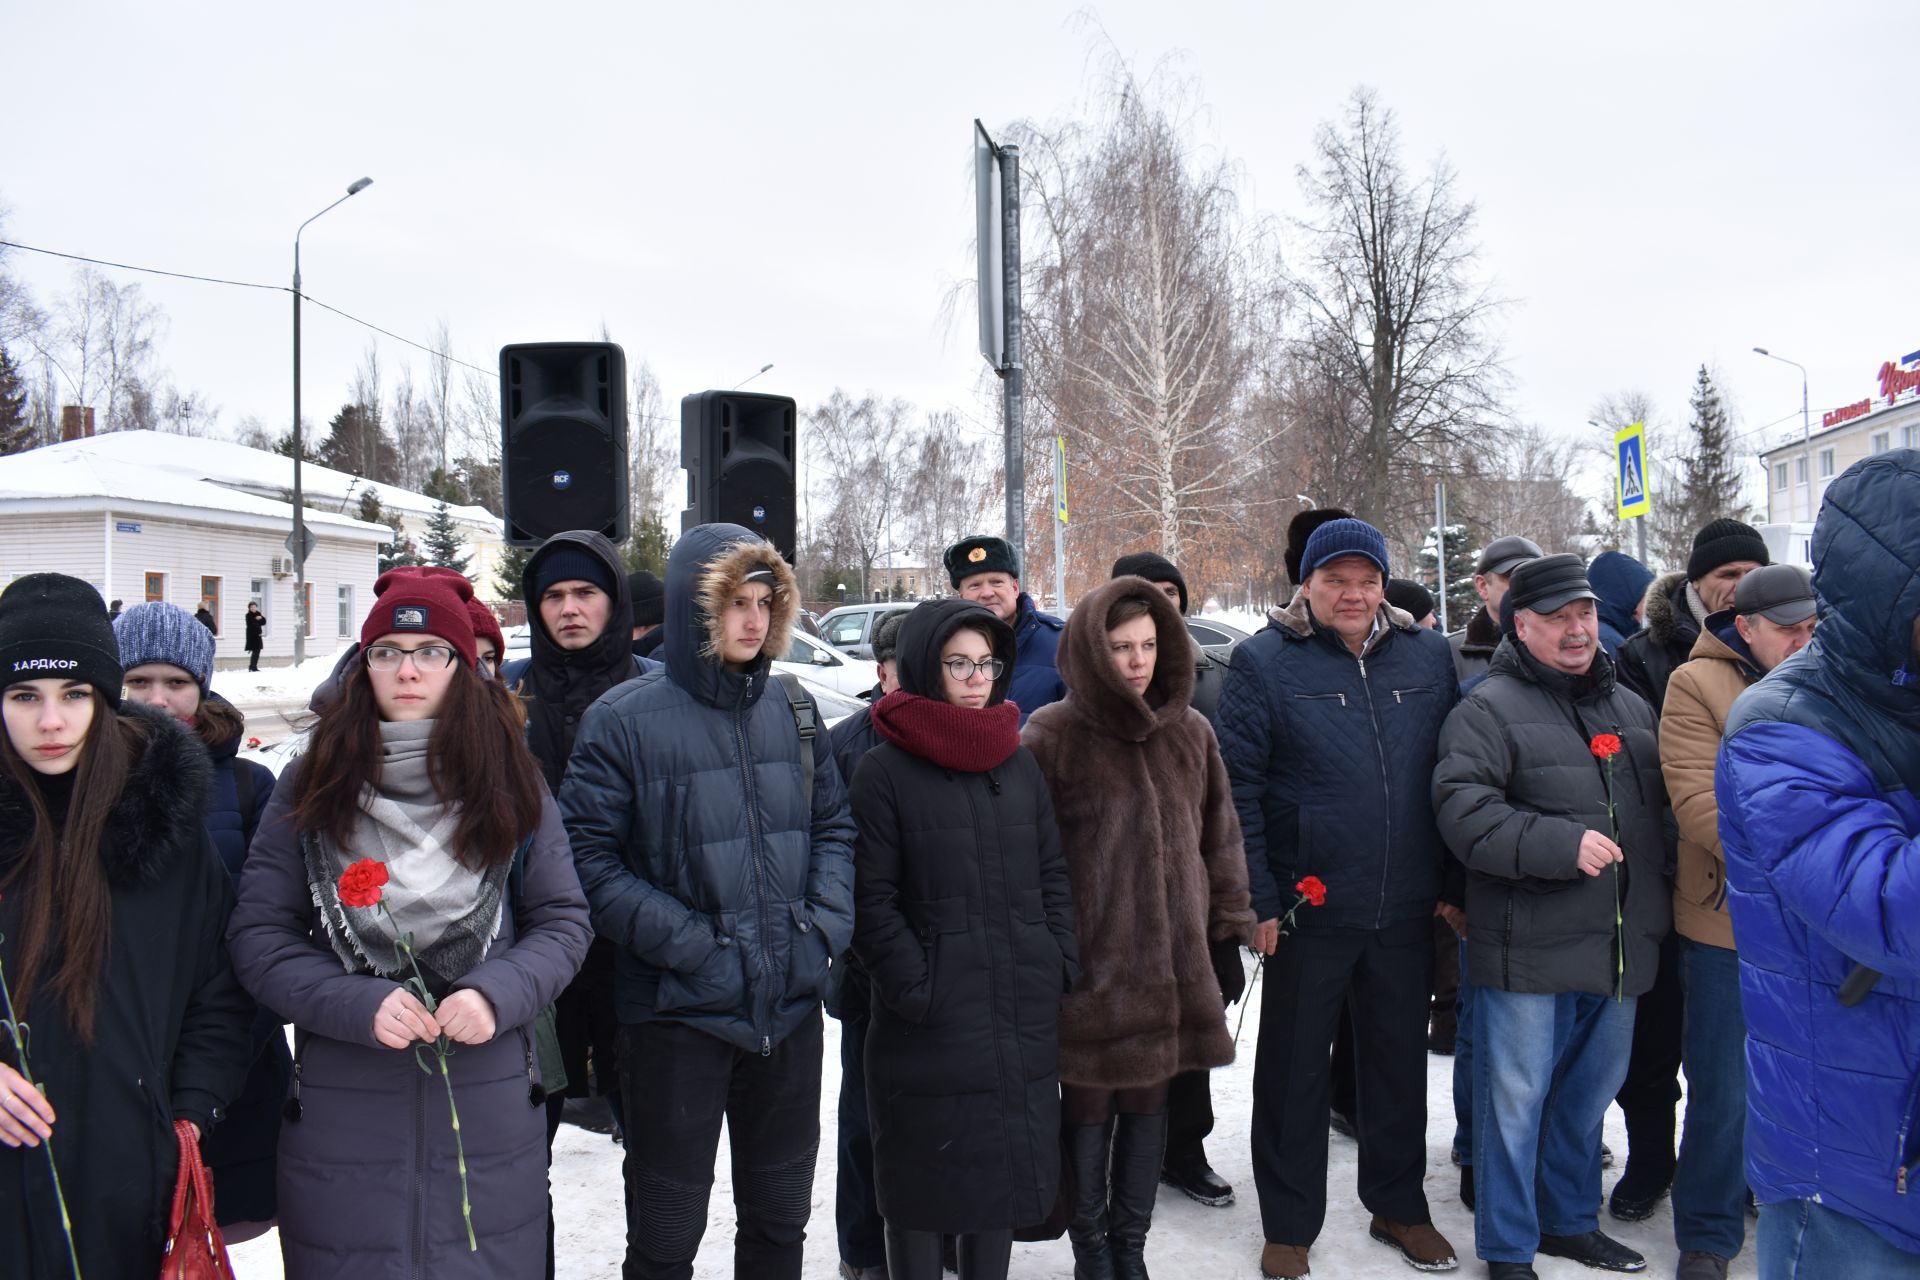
(195, 1249)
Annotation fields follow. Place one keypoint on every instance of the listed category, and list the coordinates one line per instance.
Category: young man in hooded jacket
(723, 875)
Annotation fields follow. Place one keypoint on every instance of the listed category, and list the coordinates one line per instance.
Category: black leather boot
(1088, 1146)
(912, 1255)
(1138, 1144)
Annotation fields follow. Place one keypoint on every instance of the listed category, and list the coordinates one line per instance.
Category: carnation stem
(26, 1073)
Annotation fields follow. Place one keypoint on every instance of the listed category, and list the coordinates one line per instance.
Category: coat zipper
(1386, 789)
(759, 869)
(986, 933)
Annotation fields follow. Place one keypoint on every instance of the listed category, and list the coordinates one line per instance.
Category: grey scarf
(452, 911)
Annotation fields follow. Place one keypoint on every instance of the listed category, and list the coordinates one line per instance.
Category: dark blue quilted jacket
(1819, 791)
(1036, 680)
(1331, 759)
(725, 885)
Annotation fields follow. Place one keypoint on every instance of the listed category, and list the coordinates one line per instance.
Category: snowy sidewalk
(1189, 1241)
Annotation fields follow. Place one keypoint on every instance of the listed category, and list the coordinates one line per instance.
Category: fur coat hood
(1296, 619)
(158, 818)
(1664, 620)
(1096, 691)
(706, 567)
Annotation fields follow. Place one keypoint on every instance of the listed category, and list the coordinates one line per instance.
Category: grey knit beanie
(161, 632)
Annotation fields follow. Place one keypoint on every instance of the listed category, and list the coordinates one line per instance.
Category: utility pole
(1011, 372)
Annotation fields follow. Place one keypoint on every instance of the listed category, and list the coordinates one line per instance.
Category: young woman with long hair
(964, 921)
(417, 765)
(1152, 843)
(113, 906)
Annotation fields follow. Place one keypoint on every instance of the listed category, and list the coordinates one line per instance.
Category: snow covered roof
(59, 478)
(257, 471)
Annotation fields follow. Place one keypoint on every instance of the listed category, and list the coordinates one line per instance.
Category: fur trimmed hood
(1097, 692)
(706, 566)
(1663, 617)
(161, 812)
(1297, 622)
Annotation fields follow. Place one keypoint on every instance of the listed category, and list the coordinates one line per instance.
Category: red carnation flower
(1605, 745)
(360, 883)
(1314, 890)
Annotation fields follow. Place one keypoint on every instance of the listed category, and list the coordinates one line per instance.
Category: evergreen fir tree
(507, 574)
(398, 551)
(443, 540)
(16, 432)
(648, 547)
(1710, 481)
(1462, 600)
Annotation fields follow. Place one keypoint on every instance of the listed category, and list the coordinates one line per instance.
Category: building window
(1882, 441)
(210, 599)
(1800, 470)
(156, 587)
(1826, 463)
(1910, 437)
(1780, 475)
(345, 596)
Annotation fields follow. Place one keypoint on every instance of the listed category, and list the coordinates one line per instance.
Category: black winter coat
(725, 885)
(170, 1029)
(1517, 788)
(1649, 657)
(1331, 759)
(1473, 645)
(965, 924)
(256, 631)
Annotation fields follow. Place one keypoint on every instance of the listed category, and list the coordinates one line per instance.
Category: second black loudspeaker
(739, 451)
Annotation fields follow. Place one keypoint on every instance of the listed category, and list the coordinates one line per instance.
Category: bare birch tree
(860, 447)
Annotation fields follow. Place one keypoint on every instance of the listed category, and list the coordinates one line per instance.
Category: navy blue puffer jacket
(1331, 759)
(1819, 790)
(1036, 678)
(725, 885)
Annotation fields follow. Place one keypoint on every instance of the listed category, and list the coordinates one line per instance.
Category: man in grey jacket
(1548, 788)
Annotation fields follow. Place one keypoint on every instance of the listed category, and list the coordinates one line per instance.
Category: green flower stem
(441, 1050)
(1619, 922)
(1286, 922)
(14, 1028)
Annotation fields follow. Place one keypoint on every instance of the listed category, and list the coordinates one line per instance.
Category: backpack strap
(805, 719)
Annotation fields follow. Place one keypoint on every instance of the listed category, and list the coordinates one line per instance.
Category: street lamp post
(1806, 423)
(750, 377)
(299, 508)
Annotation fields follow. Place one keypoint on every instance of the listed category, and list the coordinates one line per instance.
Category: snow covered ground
(1188, 1240)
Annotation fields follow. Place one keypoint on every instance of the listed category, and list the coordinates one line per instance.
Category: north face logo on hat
(410, 617)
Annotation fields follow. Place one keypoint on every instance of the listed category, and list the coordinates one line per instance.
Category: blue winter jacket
(1818, 784)
(1036, 680)
(1331, 759)
(1621, 582)
(724, 884)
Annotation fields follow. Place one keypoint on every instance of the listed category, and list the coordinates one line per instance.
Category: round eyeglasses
(963, 668)
(428, 657)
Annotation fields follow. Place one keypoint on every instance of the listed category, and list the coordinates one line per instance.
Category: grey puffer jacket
(725, 884)
(1517, 787)
(368, 1180)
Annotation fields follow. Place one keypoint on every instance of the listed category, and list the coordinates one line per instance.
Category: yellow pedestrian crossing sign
(1630, 473)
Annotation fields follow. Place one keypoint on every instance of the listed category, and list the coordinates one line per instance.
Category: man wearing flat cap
(986, 570)
(1548, 788)
(1473, 644)
(1771, 619)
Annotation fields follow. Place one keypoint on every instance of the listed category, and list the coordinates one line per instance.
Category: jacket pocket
(1341, 698)
(1909, 1139)
(942, 924)
(717, 985)
(808, 961)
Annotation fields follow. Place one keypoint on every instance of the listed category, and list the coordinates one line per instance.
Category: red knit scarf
(966, 739)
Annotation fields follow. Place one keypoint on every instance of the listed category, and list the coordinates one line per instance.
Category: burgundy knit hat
(422, 599)
(486, 627)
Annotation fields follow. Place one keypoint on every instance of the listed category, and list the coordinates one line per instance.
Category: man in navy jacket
(1819, 789)
(986, 570)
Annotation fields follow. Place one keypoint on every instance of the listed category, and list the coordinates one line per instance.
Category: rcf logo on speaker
(410, 617)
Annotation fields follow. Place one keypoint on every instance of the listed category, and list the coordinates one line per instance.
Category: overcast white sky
(730, 184)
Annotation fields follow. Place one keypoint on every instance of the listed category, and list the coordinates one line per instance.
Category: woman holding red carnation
(415, 831)
(113, 905)
(1159, 874)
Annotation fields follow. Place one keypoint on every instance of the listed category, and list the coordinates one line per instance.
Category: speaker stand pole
(1012, 373)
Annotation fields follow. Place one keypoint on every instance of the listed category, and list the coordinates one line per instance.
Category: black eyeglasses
(428, 657)
(485, 665)
(963, 668)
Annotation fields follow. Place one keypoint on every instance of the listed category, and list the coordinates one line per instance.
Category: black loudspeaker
(563, 435)
(738, 451)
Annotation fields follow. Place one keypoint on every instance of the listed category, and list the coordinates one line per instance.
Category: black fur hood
(161, 813)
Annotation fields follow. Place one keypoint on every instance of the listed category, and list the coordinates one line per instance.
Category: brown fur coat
(1153, 849)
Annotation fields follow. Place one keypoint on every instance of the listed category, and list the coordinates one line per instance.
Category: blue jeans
(1463, 1066)
(1710, 1183)
(1539, 1103)
(1801, 1240)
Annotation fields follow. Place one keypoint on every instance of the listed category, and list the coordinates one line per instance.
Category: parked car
(822, 664)
(1217, 638)
(519, 643)
(850, 628)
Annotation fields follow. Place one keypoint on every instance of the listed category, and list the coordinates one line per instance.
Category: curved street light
(1806, 423)
(750, 377)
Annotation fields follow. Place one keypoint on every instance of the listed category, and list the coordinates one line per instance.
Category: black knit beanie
(1154, 568)
(1723, 542)
(568, 562)
(649, 598)
(1300, 528)
(53, 627)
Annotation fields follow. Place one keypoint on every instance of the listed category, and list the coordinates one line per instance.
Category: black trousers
(1189, 1119)
(856, 1214)
(1388, 974)
(1652, 1089)
(679, 1084)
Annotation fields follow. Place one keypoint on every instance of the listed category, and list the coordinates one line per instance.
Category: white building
(148, 516)
(1801, 466)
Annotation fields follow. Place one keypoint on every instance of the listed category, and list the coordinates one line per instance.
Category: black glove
(1227, 968)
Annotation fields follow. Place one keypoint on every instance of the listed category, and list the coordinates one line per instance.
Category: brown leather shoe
(1424, 1248)
(1284, 1262)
